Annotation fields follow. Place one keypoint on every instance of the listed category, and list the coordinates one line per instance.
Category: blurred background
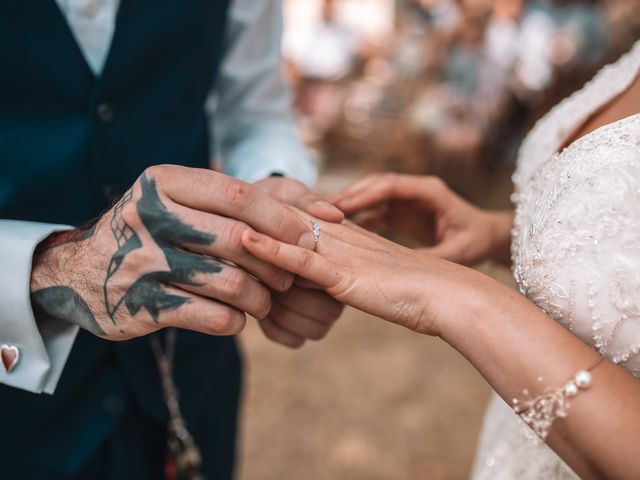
(442, 87)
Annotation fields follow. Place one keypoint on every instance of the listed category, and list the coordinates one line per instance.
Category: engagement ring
(316, 231)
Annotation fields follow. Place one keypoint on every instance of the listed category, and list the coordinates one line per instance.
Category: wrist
(48, 258)
(451, 297)
(486, 306)
(500, 224)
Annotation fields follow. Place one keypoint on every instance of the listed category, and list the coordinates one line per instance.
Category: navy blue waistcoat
(70, 143)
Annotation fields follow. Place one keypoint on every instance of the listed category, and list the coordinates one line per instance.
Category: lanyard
(184, 460)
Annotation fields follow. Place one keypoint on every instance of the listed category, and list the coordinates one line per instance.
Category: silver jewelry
(541, 411)
(316, 231)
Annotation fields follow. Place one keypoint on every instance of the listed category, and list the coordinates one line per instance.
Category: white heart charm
(10, 356)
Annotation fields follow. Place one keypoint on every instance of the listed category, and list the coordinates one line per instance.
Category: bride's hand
(420, 292)
(426, 209)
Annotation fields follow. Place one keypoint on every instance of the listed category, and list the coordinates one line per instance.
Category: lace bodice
(575, 249)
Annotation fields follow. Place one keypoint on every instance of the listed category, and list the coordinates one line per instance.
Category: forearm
(513, 343)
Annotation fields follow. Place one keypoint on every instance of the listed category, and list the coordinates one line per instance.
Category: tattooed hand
(302, 313)
(169, 253)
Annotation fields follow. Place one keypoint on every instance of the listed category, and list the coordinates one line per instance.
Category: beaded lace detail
(575, 250)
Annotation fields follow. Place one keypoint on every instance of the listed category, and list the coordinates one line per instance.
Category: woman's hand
(506, 337)
(426, 209)
(357, 267)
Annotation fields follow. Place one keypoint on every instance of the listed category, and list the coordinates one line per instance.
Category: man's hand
(297, 194)
(169, 253)
(300, 314)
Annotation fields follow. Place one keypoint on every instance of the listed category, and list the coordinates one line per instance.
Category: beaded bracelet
(540, 412)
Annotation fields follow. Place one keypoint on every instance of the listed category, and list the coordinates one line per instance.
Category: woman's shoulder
(550, 132)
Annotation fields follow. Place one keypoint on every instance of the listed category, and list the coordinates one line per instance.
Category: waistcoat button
(113, 405)
(105, 112)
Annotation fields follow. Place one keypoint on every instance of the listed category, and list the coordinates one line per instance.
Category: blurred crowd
(453, 83)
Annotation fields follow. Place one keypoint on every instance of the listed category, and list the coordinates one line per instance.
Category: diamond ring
(316, 231)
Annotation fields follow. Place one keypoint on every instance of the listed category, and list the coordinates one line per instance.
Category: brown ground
(373, 401)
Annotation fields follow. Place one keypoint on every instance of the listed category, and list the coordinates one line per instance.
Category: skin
(301, 313)
(427, 211)
(169, 253)
(509, 340)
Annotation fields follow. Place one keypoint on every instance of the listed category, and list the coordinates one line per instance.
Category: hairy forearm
(513, 344)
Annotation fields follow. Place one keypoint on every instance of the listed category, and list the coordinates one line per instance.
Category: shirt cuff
(44, 347)
(266, 151)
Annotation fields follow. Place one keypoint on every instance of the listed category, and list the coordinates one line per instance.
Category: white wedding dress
(575, 251)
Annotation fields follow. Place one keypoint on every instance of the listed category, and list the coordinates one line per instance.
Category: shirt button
(105, 112)
(10, 355)
(113, 405)
(90, 8)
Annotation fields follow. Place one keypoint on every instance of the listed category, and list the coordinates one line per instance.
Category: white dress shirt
(255, 137)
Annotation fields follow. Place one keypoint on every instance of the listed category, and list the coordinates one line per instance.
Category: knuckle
(226, 322)
(158, 172)
(274, 249)
(221, 322)
(129, 213)
(307, 259)
(234, 237)
(238, 193)
(234, 284)
(280, 226)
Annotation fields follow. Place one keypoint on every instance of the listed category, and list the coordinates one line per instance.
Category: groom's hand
(300, 314)
(169, 253)
(297, 194)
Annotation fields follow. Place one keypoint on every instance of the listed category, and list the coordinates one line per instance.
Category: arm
(512, 343)
(148, 263)
(43, 346)
(425, 209)
(506, 337)
(253, 127)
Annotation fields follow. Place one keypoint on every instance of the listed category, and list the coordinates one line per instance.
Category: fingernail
(306, 241)
(328, 208)
(327, 205)
(288, 283)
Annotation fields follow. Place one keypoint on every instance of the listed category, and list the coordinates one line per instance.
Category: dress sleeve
(580, 251)
(39, 349)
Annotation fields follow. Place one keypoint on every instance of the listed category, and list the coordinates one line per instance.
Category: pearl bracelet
(540, 412)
